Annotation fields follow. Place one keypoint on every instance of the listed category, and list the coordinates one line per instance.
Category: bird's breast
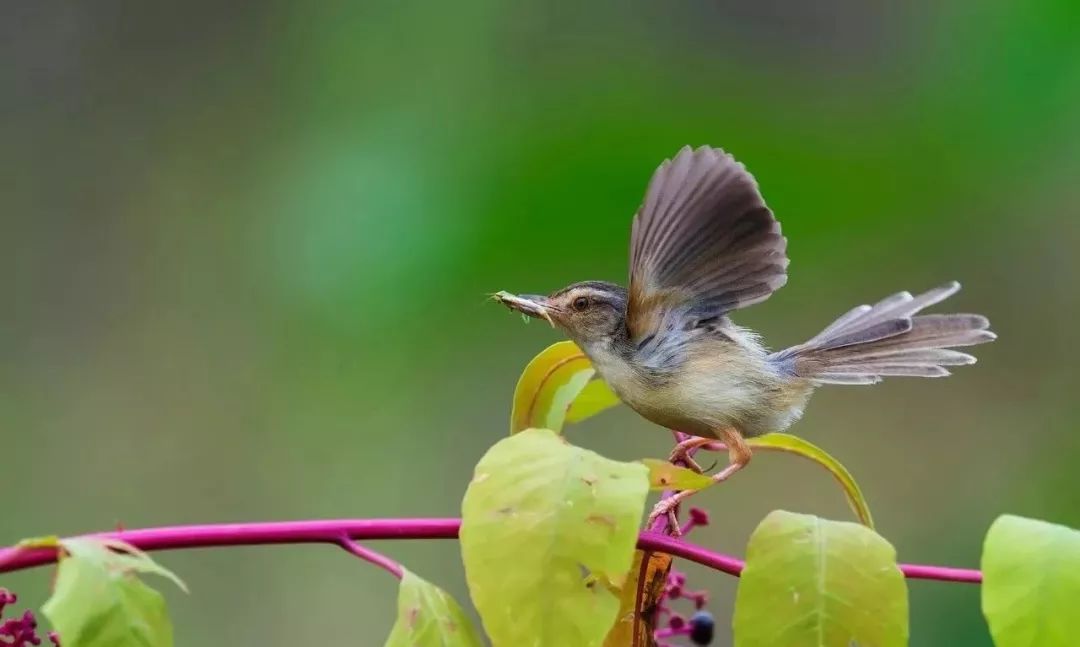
(620, 375)
(651, 392)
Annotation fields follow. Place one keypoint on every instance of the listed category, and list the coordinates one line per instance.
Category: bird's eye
(581, 303)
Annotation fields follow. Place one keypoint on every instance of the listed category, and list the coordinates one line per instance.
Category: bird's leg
(738, 456)
(682, 452)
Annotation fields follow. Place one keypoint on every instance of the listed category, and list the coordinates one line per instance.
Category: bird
(704, 244)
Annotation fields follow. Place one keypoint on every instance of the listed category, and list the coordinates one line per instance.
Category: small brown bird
(703, 244)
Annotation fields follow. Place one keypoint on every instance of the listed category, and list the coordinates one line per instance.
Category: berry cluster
(20, 631)
(699, 627)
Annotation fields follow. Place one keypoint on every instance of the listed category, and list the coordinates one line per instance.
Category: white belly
(700, 395)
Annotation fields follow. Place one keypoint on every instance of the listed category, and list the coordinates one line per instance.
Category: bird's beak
(533, 305)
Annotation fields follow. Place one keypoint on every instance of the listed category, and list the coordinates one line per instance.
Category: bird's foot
(668, 507)
(683, 452)
(738, 453)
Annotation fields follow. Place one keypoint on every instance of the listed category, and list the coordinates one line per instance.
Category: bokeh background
(246, 248)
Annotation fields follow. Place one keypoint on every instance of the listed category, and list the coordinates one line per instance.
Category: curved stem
(368, 555)
(331, 531)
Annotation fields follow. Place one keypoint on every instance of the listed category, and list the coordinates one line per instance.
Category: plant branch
(331, 531)
(368, 555)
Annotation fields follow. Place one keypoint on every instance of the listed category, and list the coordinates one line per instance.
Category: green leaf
(98, 601)
(806, 449)
(123, 556)
(428, 617)
(665, 476)
(46, 541)
(550, 384)
(810, 582)
(595, 398)
(547, 528)
(1031, 583)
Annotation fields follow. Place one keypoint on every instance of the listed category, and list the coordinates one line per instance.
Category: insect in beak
(532, 305)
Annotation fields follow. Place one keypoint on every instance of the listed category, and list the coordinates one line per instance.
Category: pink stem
(671, 633)
(944, 573)
(331, 531)
(368, 555)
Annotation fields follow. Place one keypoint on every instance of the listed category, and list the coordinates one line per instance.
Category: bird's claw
(690, 463)
(682, 453)
(666, 507)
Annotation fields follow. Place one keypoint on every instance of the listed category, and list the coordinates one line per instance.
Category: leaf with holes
(811, 582)
(806, 449)
(547, 530)
(98, 600)
(428, 617)
(1031, 582)
(665, 476)
(550, 385)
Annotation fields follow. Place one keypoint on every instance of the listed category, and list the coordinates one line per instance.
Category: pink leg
(682, 452)
(738, 455)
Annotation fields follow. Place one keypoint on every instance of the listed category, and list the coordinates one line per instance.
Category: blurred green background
(246, 248)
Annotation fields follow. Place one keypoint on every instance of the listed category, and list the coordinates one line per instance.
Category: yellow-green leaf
(811, 582)
(806, 449)
(123, 556)
(98, 600)
(429, 617)
(46, 541)
(595, 398)
(545, 526)
(548, 385)
(1031, 583)
(663, 475)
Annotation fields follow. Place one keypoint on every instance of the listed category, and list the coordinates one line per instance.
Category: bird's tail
(888, 338)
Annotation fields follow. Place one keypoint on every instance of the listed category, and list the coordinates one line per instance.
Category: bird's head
(588, 312)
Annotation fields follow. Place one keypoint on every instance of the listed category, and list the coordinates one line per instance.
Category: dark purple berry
(701, 628)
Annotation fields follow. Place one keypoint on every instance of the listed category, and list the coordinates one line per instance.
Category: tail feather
(839, 324)
(938, 356)
(897, 306)
(863, 336)
(841, 378)
(872, 374)
(903, 305)
(889, 338)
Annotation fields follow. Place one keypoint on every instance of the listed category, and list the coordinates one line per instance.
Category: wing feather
(703, 243)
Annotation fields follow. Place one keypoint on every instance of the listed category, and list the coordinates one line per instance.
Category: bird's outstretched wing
(703, 244)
